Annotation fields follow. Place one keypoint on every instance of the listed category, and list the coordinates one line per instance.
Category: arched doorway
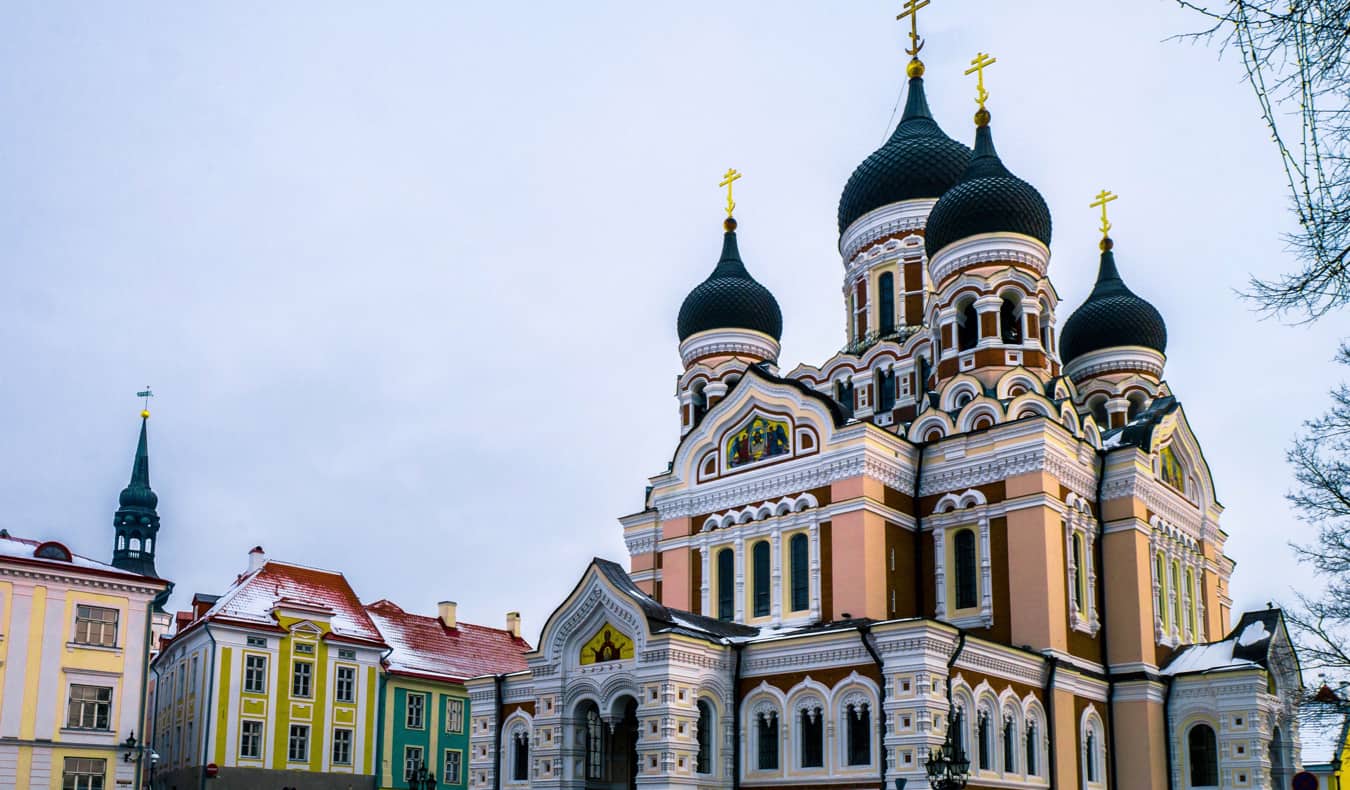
(1277, 773)
(608, 745)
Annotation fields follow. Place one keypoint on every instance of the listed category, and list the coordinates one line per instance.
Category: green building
(423, 705)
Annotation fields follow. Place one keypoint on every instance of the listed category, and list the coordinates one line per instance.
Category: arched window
(149, 545)
(1176, 596)
(859, 725)
(984, 737)
(1009, 746)
(1097, 406)
(1090, 756)
(1276, 754)
(1203, 747)
(964, 546)
(135, 544)
(860, 310)
(1010, 320)
(886, 303)
(967, 327)
(885, 380)
(1033, 768)
(726, 584)
(1080, 572)
(957, 727)
(1160, 572)
(844, 393)
(121, 542)
(812, 728)
(798, 564)
(759, 557)
(1046, 321)
(520, 756)
(703, 763)
(595, 744)
(767, 736)
(1190, 605)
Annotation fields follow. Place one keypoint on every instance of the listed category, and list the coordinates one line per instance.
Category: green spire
(136, 522)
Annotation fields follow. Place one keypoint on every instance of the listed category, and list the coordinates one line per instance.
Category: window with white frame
(766, 740)
(90, 707)
(297, 750)
(255, 674)
(84, 773)
(1177, 571)
(454, 715)
(95, 625)
(858, 731)
(454, 760)
(412, 760)
(302, 679)
(1080, 539)
(811, 733)
(250, 739)
(415, 711)
(345, 684)
(1092, 748)
(342, 746)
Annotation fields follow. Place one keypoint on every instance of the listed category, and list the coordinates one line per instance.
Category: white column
(705, 594)
(740, 580)
(776, 574)
(814, 546)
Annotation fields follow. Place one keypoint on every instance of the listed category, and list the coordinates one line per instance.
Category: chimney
(256, 558)
(513, 623)
(446, 611)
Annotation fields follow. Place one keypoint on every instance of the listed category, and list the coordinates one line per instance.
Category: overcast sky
(404, 276)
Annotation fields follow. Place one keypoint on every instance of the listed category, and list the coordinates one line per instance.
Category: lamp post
(419, 778)
(948, 767)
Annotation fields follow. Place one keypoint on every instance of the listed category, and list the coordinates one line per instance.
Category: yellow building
(74, 636)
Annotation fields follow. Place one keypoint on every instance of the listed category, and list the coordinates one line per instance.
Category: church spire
(136, 522)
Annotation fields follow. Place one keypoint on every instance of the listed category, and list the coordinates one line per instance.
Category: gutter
(736, 648)
(210, 694)
(1048, 693)
(1167, 725)
(154, 714)
(865, 631)
(1099, 558)
(497, 681)
(145, 683)
(379, 718)
(951, 662)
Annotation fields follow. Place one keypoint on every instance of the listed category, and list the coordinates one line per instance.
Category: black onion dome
(730, 298)
(918, 161)
(1112, 316)
(989, 199)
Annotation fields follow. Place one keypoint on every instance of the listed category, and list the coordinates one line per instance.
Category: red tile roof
(424, 646)
(253, 596)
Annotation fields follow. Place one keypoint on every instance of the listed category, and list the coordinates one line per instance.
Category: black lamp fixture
(133, 747)
(419, 778)
(948, 767)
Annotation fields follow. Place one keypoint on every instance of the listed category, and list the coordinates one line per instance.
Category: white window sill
(100, 648)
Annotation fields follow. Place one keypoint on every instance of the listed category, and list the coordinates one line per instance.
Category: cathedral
(969, 549)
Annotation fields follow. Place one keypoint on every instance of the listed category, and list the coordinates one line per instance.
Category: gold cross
(731, 177)
(912, 11)
(1104, 197)
(978, 64)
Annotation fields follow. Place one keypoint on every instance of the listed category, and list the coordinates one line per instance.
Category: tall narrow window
(703, 762)
(342, 746)
(859, 734)
(1176, 596)
(345, 690)
(812, 726)
(1190, 605)
(1080, 572)
(968, 328)
(1090, 756)
(1204, 756)
(986, 752)
(255, 674)
(885, 390)
(964, 546)
(767, 736)
(412, 760)
(302, 675)
(886, 303)
(520, 762)
(759, 557)
(415, 711)
(1010, 321)
(801, 581)
(860, 310)
(1032, 768)
(250, 739)
(595, 745)
(957, 725)
(1009, 746)
(726, 584)
(297, 750)
(1160, 571)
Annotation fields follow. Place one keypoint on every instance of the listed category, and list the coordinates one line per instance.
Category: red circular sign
(212, 770)
(1305, 781)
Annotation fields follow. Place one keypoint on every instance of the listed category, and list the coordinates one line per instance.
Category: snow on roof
(24, 548)
(1207, 658)
(1253, 633)
(1322, 721)
(422, 645)
(254, 595)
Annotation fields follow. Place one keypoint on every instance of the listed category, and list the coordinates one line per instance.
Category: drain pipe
(918, 533)
(1167, 725)
(1099, 558)
(210, 693)
(864, 632)
(1048, 692)
(497, 681)
(737, 648)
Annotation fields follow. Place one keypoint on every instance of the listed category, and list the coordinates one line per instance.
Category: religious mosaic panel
(759, 439)
(608, 644)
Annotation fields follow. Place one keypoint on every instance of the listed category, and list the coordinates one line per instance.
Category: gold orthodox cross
(1104, 197)
(912, 11)
(978, 64)
(731, 177)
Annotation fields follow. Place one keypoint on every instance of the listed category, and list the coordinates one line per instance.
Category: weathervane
(1104, 197)
(731, 177)
(912, 11)
(147, 395)
(978, 64)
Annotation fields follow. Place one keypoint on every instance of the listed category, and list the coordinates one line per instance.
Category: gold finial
(730, 177)
(1104, 197)
(978, 64)
(147, 394)
(915, 43)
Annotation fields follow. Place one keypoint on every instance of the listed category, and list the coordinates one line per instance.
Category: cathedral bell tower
(988, 245)
(136, 522)
(728, 322)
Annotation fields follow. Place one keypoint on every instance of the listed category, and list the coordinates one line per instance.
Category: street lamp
(133, 748)
(948, 767)
(419, 778)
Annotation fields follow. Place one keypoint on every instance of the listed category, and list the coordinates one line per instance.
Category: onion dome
(988, 199)
(918, 161)
(730, 298)
(1112, 316)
